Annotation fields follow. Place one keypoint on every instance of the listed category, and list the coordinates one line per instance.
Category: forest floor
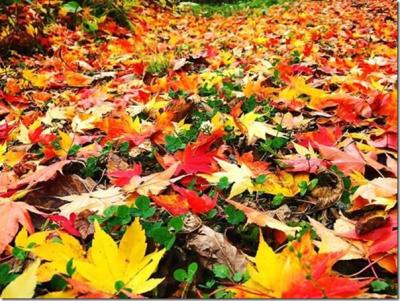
(251, 153)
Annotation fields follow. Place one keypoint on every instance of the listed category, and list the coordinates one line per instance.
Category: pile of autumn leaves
(64, 112)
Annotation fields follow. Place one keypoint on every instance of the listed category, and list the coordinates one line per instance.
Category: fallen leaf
(154, 183)
(24, 285)
(212, 248)
(41, 175)
(239, 176)
(13, 214)
(263, 219)
(96, 201)
(287, 275)
(331, 242)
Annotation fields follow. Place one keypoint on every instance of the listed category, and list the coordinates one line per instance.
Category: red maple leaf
(197, 204)
(324, 135)
(122, 177)
(198, 157)
(67, 224)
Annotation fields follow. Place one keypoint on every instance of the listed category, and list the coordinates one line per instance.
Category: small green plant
(223, 183)
(234, 216)
(306, 187)
(173, 143)
(182, 275)
(249, 105)
(158, 65)
(6, 276)
(228, 8)
(379, 285)
(260, 179)
(99, 10)
(278, 200)
(274, 144)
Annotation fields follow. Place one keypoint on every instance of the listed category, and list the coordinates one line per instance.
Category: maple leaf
(198, 157)
(379, 245)
(331, 242)
(256, 129)
(66, 224)
(197, 204)
(379, 191)
(55, 252)
(105, 263)
(282, 183)
(24, 285)
(13, 214)
(239, 176)
(41, 175)
(380, 240)
(39, 80)
(351, 159)
(297, 271)
(153, 183)
(305, 160)
(173, 203)
(297, 87)
(122, 177)
(347, 161)
(324, 135)
(257, 167)
(108, 263)
(74, 79)
(96, 201)
(263, 219)
(65, 143)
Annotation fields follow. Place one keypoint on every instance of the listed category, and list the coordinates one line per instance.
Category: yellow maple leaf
(39, 80)
(239, 176)
(108, 263)
(283, 183)
(105, 263)
(257, 129)
(65, 142)
(56, 252)
(297, 87)
(223, 120)
(24, 285)
(271, 275)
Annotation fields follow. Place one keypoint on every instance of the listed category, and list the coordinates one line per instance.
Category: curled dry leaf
(371, 221)
(212, 247)
(328, 190)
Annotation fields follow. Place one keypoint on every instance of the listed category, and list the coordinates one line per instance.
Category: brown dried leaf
(82, 224)
(328, 190)
(46, 199)
(116, 163)
(212, 248)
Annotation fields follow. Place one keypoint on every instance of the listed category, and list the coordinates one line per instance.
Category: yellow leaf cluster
(104, 264)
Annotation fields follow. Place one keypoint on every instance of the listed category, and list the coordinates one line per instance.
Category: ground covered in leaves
(180, 155)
